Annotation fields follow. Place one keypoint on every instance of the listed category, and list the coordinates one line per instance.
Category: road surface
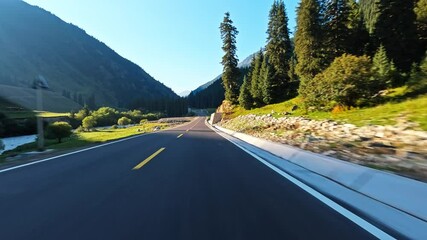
(184, 183)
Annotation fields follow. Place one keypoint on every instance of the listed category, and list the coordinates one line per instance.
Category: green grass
(414, 110)
(15, 111)
(82, 139)
(30, 114)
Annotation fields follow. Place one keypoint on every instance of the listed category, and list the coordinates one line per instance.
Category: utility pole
(39, 84)
(40, 130)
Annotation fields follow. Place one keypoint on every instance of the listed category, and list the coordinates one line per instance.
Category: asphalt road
(200, 186)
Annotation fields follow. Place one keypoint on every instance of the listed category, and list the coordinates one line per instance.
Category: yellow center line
(180, 136)
(193, 125)
(148, 159)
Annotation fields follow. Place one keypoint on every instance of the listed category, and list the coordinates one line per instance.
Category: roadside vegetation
(412, 109)
(84, 139)
(359, 62)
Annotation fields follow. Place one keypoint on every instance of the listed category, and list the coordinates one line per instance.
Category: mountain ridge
(34, 41)
(243, 64)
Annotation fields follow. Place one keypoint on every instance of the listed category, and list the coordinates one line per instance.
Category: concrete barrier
(396, 203)
(215, 118)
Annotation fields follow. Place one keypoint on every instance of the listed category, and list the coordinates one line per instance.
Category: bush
(105, 116)
(143, 121)
(59, 130)
(124, 121)
(114, 126)
(347, 80)
(152, 116)
(1, 145)
(89, 122)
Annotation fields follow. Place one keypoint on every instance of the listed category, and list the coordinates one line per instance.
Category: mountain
(184, 93)
(35, 42)
(246, 63)
(211, 94)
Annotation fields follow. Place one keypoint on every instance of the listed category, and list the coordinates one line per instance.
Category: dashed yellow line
(180, 135)
(148, 159)
(193, 125)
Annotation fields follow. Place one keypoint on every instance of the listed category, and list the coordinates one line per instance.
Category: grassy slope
(82, 139)
(14, 111)
(412, 109)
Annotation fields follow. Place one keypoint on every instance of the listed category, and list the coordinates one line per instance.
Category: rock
(328, 153)
(294, 107)
(383, 144)
(401, 153)
(379, 134)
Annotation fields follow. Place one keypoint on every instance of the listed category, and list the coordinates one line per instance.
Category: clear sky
(176, 42)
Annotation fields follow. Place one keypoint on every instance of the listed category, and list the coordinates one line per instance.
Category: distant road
(200, 112)
(184, 183)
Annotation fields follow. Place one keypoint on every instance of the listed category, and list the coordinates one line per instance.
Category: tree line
(343, 53)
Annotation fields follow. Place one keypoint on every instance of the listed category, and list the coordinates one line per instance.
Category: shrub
(347, 80)
(59, 130)
(80, 129)
(80, 115)
(89, 122)
(114, 126)
(1, 145)
(105, 116)
(143, 121)
(124, 121)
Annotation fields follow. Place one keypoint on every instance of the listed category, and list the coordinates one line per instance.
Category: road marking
(319, 196)
(194, 125)
(148, 159)
(87, 149)
(180, 136)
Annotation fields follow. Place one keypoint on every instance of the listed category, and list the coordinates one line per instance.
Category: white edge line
(86, 149)
(338, 208)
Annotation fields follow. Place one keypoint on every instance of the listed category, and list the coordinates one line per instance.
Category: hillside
(34, 41)
(211, 94)
(26, 97)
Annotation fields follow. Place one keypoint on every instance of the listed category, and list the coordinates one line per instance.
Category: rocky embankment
(397, 148)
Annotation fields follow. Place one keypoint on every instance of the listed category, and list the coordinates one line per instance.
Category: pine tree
(359, 39)
(370, 13)
(268, 82)
(338, 35)
(256, 87)
(279, 50)
(421, 13)
(229, 61)
(384, 68)
(293, 77)
(308, 38)
(245, 98)
(395, 29)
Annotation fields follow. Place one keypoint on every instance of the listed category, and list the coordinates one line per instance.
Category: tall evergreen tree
(279, 50)
(308, 39)
(395, 29)
(336, 26)
(245, 98)
(421, 13)
(256, 82)
(359, 42)
(370, 13)
(229, 61)
(268, 83)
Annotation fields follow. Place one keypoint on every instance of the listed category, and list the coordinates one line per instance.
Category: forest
(343, 54)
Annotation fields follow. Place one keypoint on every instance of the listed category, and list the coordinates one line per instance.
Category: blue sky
(177, 42)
